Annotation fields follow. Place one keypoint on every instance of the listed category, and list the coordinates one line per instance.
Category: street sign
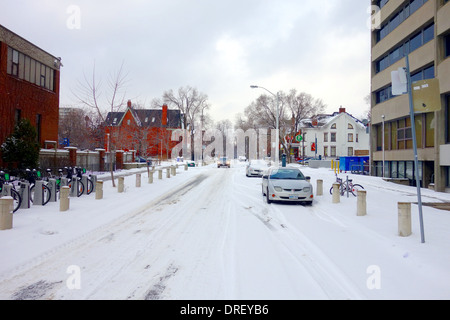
(426, 96)
(299, 138)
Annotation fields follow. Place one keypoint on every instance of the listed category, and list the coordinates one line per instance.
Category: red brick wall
(30, 99)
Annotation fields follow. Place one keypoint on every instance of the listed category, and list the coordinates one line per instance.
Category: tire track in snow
(334, 283)
(105, 236)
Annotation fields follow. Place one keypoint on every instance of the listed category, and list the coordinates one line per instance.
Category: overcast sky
(321, 47)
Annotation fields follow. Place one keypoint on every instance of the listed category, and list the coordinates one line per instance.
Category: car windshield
(223, 159)
(287, 174)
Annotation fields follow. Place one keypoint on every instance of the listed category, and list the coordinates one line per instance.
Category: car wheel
(268, 198)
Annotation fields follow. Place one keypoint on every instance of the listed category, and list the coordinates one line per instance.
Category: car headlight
(278, 189)
(306, 189)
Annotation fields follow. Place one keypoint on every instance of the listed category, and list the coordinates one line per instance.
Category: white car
(255, 168)
(287, 184)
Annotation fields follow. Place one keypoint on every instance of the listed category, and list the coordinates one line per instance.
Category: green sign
(299, 138)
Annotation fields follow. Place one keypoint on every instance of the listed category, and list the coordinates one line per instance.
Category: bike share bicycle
(5, 181)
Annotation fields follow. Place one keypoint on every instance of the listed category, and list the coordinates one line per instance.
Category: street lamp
(277, 139)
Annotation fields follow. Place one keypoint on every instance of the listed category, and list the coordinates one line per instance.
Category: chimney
(164, 115)
(129, 104)
(341, 110)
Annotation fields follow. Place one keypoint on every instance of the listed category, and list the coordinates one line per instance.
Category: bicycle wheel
(355, 189)
(46, 194)
(80, 188)
(17, 199)
(90, 186)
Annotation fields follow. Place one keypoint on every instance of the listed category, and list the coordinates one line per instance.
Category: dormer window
(333, 126)
(350, 126)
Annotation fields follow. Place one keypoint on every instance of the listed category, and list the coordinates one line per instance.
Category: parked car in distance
(255, 168)
(286, 184)
(242, 158)
(223, 162)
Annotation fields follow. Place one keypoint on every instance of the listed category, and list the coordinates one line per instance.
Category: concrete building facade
(421, 30)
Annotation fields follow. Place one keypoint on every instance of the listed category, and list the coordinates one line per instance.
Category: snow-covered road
(208, 234)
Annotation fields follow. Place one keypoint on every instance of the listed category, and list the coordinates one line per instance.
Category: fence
(98, 160)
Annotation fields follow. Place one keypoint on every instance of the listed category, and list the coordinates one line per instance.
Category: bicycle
(32, 177)
(17, 200)
(347, 185)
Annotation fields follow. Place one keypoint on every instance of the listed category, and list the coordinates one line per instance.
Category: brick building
(29, 87)
(148, 132)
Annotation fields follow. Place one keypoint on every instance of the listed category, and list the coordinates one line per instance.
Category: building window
(325, 137)
(128, 122)
(333, 126)
(406, 47)
(17, 116)
(325, 151)
(424, 74)
(357, 137)
(350, 152)
(383, 95)
(26, 68)
(447, 45)
(39, 127)
(429, 130)
(350, 126)
(333, 137)
(333, 152)
(404, 134)
(350, 137)
(447, 117)
(407, 10)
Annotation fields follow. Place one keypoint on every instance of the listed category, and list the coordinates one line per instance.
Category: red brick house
(29, 87)
(148, 131)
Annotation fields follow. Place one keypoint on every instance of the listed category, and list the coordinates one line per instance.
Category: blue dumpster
(353, 164)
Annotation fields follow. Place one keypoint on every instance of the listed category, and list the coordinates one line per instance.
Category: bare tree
(92, 94)
(192, 105)
(292, 108)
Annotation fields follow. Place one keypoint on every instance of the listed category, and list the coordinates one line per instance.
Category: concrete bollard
(64, 201)
(25, 195)
(121, 185)
(361, 209)
(319, 188)
(404, 219)
(167, 172)
(98, 190)
(138, 180)
(6, 213)
(174, 171)
(336, 193)
(150, 177)
(185, 167)
(160, 174)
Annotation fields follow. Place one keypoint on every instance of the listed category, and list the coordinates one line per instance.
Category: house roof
(325, 119)
(145, 118)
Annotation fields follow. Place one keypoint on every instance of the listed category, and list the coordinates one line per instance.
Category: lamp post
(277, 139)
